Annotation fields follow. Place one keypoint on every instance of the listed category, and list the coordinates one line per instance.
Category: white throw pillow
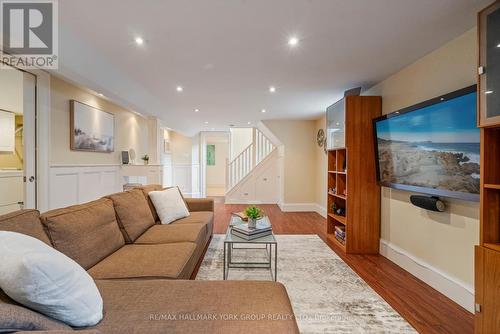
(169, 204)
(43, 279)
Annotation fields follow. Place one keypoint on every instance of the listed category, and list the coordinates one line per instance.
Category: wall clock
(320, 137)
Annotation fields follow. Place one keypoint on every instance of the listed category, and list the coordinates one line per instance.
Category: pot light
(196, 110)
(139, 41)
(293, 41)
(206, 122)
(179, 88)
(488, 92)
(498, 46)
(263, 111)
(272, 89)
(249, 123)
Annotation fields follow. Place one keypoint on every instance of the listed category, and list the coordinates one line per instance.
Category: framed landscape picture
(210, 155)
(92, 129)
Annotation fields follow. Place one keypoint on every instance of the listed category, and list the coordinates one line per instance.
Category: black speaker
(428, 203)
(125, 158)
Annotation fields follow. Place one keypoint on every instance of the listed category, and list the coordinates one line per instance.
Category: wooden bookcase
(487, 254)
(352, 184)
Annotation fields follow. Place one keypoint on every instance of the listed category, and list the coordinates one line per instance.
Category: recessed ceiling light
(272, 89)
(139, 41)
(263, 110)
(498, 46)
(293, 41)
(196, 110)
(488, 92)
(249, 123)
(206, 122)
(179, 88)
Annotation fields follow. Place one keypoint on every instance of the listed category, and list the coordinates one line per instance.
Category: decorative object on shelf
(337, 210)
(324, 146)
(320, 137)
(92, 129)
(145, 158)
(253, 213)
(333, 190)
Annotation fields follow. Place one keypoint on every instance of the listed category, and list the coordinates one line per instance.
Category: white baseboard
(302, 207)
(453, 288)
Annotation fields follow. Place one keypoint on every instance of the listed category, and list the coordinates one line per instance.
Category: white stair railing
(248, 159)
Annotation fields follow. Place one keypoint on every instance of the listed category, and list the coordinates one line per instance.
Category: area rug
(326, 294)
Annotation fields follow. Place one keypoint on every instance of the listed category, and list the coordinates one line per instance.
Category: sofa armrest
(200, 204)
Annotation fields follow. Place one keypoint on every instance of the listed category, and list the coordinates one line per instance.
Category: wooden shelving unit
(351, 177)
(487, 254)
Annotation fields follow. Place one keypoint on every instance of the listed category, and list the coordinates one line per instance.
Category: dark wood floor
(423, 307)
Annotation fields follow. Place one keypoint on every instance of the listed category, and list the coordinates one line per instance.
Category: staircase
(255, 153)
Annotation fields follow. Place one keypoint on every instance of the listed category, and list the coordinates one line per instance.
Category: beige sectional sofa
(141, 269)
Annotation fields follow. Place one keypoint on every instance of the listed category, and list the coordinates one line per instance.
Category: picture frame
(91, 129)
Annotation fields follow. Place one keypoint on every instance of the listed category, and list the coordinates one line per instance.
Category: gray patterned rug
(327, 296)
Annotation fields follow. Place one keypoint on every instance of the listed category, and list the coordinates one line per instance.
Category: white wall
(298, 138)
(436, 247)
(216, 175)
(240, 139)
(185, 163)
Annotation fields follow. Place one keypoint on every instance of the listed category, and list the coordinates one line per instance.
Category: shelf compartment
(338, 218)
(490, 216)
(341, 160)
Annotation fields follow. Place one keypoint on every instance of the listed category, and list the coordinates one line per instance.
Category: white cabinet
(7, 131)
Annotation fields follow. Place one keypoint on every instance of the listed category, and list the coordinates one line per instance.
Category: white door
(17, 145)
(29, 110)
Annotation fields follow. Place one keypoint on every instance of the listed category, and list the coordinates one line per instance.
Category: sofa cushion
(164, 234)
(14, 317)
(25, 222)
(87, 233)
(146, 190)
(169, 205)
(145, 306)
(133, 213)
(205, 218)
(170, 261)
(39, 277)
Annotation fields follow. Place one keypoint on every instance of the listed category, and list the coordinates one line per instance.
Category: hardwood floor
(426, 309)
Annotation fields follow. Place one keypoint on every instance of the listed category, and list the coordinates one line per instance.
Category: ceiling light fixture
(206, 122)
(293, 41)
(249, 123)
(179, 88)
(196, 110)
(263, 111)
(488, 92)
(272, 89)
(139, 41)
(498, 46)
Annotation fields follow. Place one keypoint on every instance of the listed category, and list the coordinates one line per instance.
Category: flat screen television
(431, 147)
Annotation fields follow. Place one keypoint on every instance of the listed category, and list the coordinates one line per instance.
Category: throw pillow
(169, 205)
(43, 279)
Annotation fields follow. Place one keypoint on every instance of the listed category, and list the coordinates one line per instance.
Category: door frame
(42, 135)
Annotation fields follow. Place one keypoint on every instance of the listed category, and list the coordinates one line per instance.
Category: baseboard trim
(303, 207)
(455, 289)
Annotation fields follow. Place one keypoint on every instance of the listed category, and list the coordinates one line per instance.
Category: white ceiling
(226, 53)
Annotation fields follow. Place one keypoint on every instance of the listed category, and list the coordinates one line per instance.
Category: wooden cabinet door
(487, 290)
(489, 65)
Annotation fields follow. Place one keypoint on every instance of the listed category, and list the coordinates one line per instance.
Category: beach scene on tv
(433, 147)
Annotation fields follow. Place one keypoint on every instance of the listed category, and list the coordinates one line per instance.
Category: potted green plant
(253, 213)
(145, 158)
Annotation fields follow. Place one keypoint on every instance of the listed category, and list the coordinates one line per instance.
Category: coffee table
(269, 241)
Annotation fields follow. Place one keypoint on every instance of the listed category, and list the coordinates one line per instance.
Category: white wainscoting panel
(70, 185)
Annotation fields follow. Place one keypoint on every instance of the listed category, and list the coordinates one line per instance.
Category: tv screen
(432, 147)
